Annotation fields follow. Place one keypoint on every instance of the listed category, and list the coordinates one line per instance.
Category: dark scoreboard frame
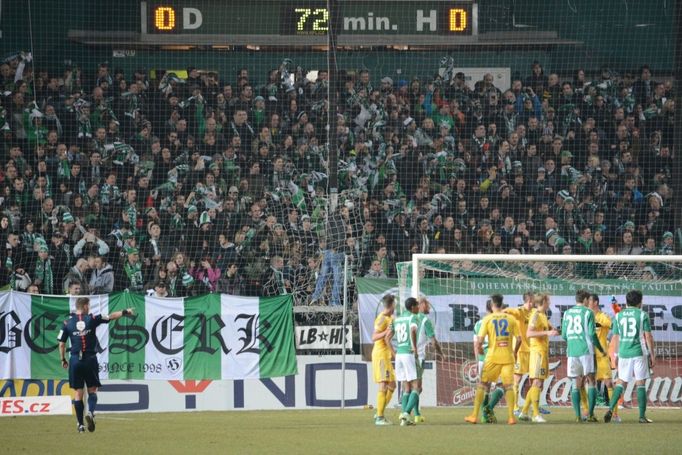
(306, 22)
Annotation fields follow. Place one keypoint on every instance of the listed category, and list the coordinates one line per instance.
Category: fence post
(343, 331)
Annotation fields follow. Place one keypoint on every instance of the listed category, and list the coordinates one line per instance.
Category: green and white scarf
(44, 272)
(64, 170)
(134, 274)
(9, 265)
(172, 285)
(84, 128)
(132, 213)
(109, 194)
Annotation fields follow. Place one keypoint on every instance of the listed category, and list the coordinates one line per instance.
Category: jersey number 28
(575, 326)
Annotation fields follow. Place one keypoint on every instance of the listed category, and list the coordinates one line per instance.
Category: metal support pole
(343, 331)
(332, 72)
(677, 135)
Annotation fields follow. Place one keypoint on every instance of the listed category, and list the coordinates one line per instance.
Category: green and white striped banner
(207, 337)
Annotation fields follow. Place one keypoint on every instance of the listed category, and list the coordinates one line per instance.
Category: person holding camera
(89, 242)
(207, 273)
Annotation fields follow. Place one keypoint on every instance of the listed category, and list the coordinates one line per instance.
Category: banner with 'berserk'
(206, 337)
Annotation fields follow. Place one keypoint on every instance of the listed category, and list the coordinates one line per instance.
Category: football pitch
(336, 431)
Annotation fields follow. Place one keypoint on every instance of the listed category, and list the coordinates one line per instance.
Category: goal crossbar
(534, 258)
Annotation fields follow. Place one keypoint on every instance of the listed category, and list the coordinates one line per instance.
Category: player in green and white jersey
(487, 415)
(477, 326)
(635, 350)
(426, 334)
(404, 329)
(578, 329)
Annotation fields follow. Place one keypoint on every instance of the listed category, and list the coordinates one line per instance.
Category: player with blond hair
(522, 315)
(382, 352)
(538, 333)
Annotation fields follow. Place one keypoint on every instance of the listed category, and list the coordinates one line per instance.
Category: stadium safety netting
(248, 147)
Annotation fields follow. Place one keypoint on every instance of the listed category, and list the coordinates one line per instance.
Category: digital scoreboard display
(312, 18)
(307, 18)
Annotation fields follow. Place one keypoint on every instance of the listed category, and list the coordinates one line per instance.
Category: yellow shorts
(538, 365)
(383, 369)
(521, 365)
(493, 371)
(603, 368)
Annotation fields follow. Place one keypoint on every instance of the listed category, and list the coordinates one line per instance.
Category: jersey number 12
(501, 326)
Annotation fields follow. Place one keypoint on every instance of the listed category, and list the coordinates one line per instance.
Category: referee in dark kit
(83, 367)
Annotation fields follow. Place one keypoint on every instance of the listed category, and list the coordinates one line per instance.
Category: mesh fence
(188, 143)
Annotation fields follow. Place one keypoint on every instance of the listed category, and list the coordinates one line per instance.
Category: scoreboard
(307, 22)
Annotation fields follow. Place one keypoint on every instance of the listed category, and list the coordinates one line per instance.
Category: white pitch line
(109, 417)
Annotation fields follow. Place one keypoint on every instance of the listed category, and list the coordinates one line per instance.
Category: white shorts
(405, 367)
(580, 366)
(633, 369)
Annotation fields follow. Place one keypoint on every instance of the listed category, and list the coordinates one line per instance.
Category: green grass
(335, 431)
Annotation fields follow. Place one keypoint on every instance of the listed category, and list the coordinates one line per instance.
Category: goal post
(459, 285)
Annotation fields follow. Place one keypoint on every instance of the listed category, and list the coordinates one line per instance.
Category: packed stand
(218, 183)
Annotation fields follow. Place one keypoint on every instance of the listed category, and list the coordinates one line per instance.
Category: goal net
(458, 286)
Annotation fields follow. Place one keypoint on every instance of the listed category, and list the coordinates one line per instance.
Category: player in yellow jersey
(498, 393)
(381, 358)
(502, 331)
(603, 361)
(538, 333)
(522, 315)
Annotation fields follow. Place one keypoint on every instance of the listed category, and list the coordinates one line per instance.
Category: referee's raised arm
(119, 314)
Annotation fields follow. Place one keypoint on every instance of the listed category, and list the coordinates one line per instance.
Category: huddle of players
(511, 342)
(413, 331)
(585, 329)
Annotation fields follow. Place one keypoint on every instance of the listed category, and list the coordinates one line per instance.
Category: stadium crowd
(218, 182)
